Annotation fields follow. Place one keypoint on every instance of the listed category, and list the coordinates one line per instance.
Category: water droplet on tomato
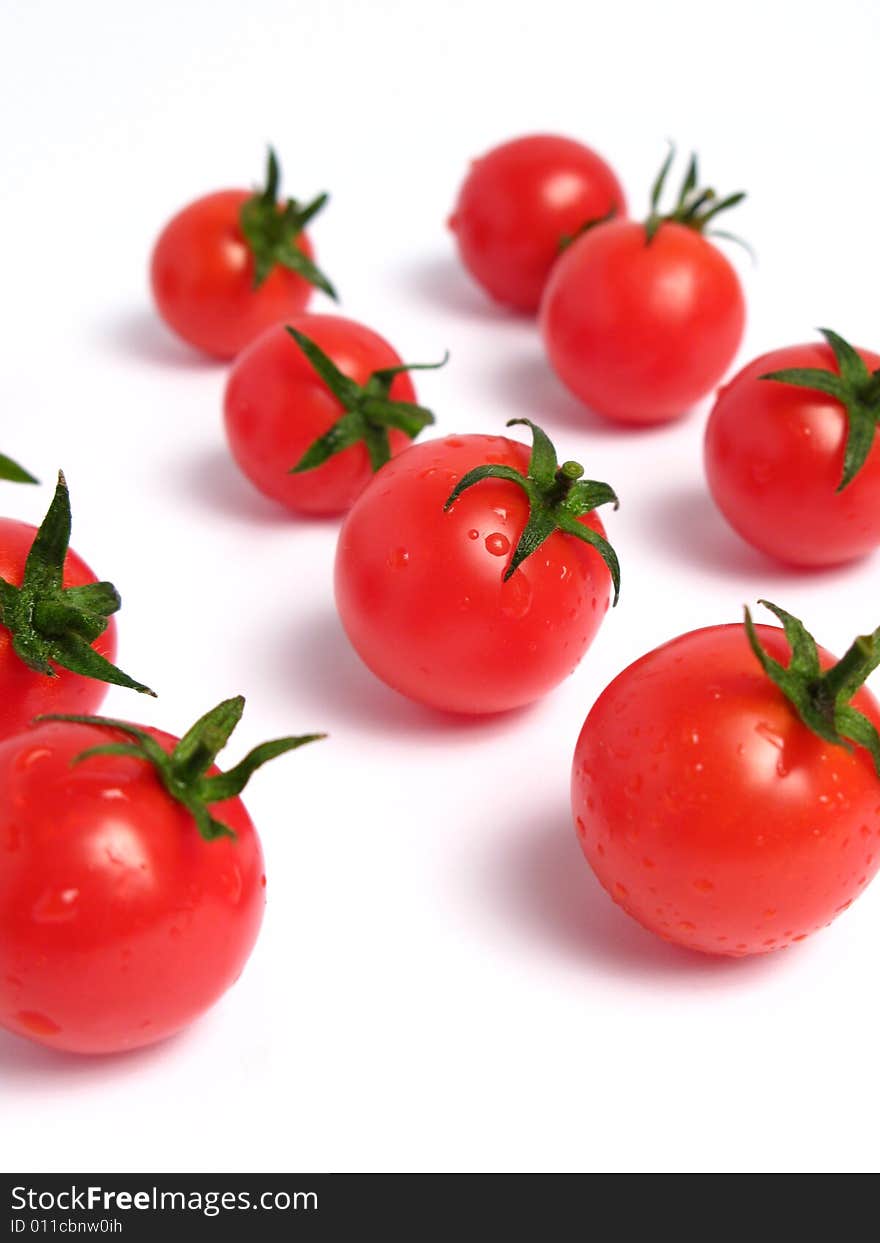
(497, 544)
(516, 598)
(473, 534)
(37, 1024)
(56, 906)
(398, 558)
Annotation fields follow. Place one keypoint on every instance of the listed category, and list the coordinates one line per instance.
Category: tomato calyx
(855, 387)
(822, 699)
(567, 238)
(182, 772)
(271, 233)
(55, 625)
(695, 208)
(13, 473)
(369, 410)
(558, 496)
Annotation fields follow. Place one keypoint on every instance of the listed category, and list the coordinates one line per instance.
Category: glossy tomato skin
(516, 205)
(710, 812)
(420, 590)
(640, 331)
(202, 277)
(276, 407)
(23, 693)
(120, 924)
(774, 460)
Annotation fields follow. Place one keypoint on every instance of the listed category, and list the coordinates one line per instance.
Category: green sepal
(695, 208)
(855, 387)
(55, 625)
(587, 227)
(557, 497)
(272, 234)
(822, 699)
(369, 410)
(13, 473)
(184, 771)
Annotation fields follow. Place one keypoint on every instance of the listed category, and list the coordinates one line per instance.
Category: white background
(440, 984)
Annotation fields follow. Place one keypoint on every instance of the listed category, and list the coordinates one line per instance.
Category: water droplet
(473, 534)
(56, 906)
(497, 544)
(398, 558)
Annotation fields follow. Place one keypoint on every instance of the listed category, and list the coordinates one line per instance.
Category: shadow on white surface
(211, 479)
(442, 282)
(543, 884)
(24, 1064)
(528, 388)
(140, 336)
(329, 678)
(686, 525)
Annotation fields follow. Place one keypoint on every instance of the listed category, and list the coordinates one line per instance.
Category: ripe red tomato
(119, 922)
(775, 456)
(426, 593)
(230, 264)
(57, 633)
(709, 809)
(518, 206)
(278, 405)
(640, 321)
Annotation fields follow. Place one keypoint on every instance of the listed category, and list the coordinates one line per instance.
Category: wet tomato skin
(202, 278)
(640, 331)
(120, 924)
(516, 205)
(710, 812)
(24, 693)
(276, 407)
(774, 460)
(420, 591)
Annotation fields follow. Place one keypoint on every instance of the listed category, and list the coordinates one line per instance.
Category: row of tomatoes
(724, 786)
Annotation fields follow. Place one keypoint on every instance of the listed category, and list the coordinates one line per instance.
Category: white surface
(440, 984)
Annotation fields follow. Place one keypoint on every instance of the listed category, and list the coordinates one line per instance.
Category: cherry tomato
(426, 593)
(120, 922)
(278, 405)
(57, 633)
(640, 321)
(775, 458)
(708, 808)
(232, 263)
(518, 206)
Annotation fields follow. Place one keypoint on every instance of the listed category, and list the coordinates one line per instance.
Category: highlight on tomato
(521, 203)
(725, 786)
(315, 406)
(57, 633)
(132, 886)
(472, 575)
(791, 454)
(234, 262)
(641, 320)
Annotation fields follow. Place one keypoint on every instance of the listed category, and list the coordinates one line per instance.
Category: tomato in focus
(120, 923)
(709, 810)
(420, 590)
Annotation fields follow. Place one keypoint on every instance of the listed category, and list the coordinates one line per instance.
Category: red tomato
(277, 405)
(120, 923)
(421, 590)
(518, 205)
(774, 457)
(710, 811)
(24, 693)
(131, 878)
(641, 331)
(216, 287)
